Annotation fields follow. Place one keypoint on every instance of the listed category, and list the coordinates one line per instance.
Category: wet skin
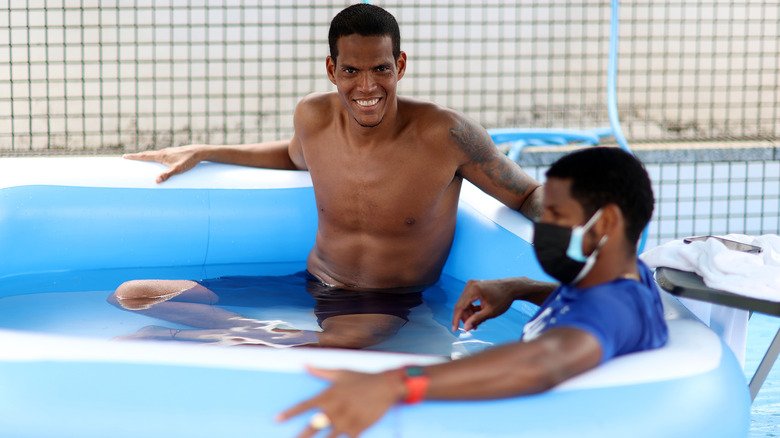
(387, 172)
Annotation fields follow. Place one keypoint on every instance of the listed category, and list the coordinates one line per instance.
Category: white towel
(752, 275)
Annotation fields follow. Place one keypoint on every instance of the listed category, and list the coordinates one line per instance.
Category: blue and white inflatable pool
(66, 222)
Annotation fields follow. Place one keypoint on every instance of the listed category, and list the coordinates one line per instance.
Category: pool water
(75, 303)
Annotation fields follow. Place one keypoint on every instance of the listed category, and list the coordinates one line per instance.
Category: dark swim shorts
(333, 301)
(300, 288)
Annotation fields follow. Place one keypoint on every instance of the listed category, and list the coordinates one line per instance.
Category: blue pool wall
(53, 229)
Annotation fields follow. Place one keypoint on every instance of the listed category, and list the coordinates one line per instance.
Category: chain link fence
(87, 75)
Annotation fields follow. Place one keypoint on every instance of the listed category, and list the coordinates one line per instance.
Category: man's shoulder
(425, 108)
(318, 101)
(435, 119)
(315, 109)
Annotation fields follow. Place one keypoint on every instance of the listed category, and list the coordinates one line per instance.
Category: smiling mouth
(367, 102)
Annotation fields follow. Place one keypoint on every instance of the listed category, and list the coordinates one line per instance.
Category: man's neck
(386, 129)
(611, 266)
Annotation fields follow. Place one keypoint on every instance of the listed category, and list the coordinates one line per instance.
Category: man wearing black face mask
(596, 203)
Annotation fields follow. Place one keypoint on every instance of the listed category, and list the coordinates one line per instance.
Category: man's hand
(178, 159)
(494, 296)
(353, 402)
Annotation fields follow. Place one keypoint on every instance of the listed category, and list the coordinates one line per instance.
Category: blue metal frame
(521, 137)
(527, 136)
(612, 108)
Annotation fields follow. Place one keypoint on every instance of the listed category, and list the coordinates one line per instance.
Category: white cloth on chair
(751, 275)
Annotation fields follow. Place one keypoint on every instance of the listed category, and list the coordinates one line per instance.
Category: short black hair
(608, 175)
(365, 20)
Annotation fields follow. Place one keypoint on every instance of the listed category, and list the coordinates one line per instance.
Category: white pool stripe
(692, 350)
(31, 347)
(117, 172)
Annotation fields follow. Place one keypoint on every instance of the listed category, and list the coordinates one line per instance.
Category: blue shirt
(624, 315)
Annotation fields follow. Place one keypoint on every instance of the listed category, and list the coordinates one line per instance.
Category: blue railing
(519, 138)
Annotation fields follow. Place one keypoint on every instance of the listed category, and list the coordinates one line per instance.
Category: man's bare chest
(381, 191)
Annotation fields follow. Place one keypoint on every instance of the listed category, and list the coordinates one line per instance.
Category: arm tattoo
(472, 142)
(479, 148)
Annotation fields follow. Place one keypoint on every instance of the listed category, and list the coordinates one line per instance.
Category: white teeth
(369, 102)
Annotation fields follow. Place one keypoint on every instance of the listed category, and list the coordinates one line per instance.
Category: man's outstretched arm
(280, 154)
(509, 370)
(273, 155)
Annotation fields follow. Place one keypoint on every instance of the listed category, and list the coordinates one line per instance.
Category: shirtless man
(386, 170)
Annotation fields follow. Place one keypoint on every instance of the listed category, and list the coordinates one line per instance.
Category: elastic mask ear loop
(590, 261)
(574, 251)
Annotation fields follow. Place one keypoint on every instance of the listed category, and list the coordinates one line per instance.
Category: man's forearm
(499, 372)
(530, 290)
(532, 205)
(272, 155)
(516, 368)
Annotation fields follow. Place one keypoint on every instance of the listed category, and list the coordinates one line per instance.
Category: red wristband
(416, 383)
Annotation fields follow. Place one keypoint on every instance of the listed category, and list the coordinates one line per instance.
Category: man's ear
(612, 222)
(400, 65)
(330, 66)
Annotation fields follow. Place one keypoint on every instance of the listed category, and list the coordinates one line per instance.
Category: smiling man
(386, 170)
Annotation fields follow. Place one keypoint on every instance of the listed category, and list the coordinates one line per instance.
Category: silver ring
(319, 421)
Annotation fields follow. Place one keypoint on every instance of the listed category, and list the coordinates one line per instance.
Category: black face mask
(559, 250)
